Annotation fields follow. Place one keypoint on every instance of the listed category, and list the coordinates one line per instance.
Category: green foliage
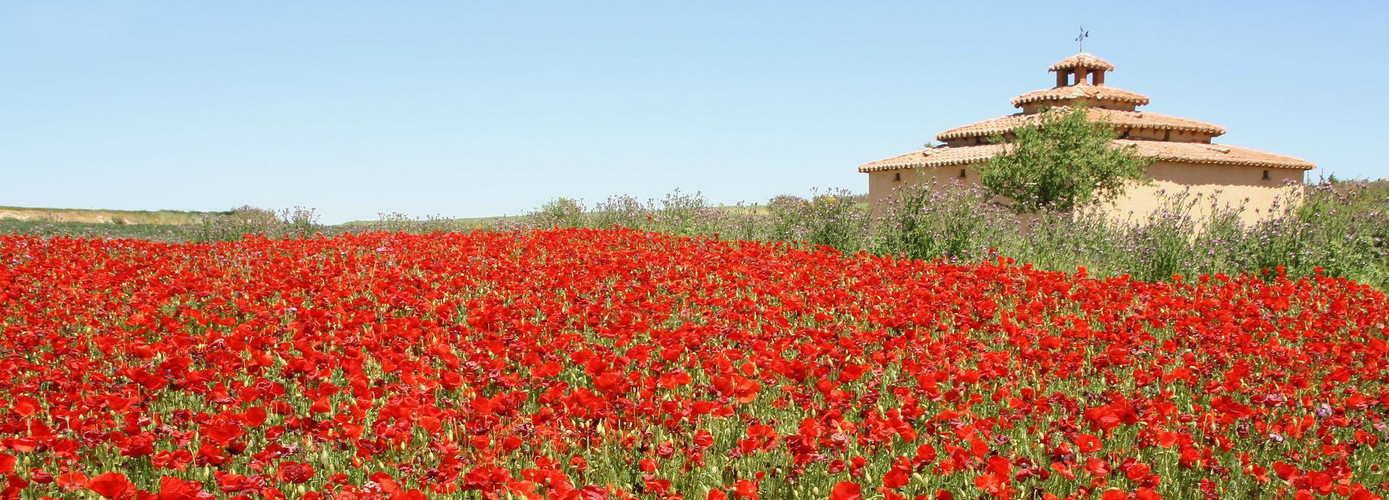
(621, 211)
(299, 222)
(560, 212)
(1062, 163)
(1177, 240)
(1338, 228)
(835, 219)
(685, 215)
(677, 213)
(924, 222)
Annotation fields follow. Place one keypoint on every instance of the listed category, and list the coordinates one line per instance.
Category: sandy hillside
(163, 217)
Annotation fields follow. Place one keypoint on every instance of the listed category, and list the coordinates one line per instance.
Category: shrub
(560, 212)
(834, 219)
(233, 224)
(924, 222)
(1063, 162)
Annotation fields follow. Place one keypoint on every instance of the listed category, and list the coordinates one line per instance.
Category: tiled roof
(1082, 60)
(1186, 152)
(1118, 118)
(1081, 91)
(939, 156)
(1220, 154)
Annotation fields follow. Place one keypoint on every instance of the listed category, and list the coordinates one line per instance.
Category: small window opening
(897, 176)
(1266, 177)
(962, 173)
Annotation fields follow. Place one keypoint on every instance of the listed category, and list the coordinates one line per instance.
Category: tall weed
(1337, 228)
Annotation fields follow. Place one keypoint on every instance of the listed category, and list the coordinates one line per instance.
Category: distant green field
(163, 232)
(182, 225)
(175, 225)
(467, 223)
(171, 225)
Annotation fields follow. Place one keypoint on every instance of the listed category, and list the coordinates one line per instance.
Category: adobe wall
(1232, 186)
(1154, 134)
(881, 184)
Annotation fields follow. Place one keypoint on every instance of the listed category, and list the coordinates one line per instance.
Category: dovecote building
(1183, 154)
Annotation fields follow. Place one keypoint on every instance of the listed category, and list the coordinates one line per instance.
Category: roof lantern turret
(1080, 80)
(1081, 65)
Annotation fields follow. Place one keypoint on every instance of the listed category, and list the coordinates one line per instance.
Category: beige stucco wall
(1231, 185)
(1139, 133)
(1225, 186)
(882, 184)
(1154, 134)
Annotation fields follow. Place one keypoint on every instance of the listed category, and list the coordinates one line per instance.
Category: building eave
(1174, 152)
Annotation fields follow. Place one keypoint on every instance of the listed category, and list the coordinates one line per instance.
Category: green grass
(158, 232)
(431, 224)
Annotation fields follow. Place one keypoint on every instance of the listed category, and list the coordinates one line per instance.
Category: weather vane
(1081, 38)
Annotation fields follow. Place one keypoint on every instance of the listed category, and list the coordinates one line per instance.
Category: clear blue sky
(488, 108)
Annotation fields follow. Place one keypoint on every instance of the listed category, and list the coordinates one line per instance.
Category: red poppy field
(596, 364)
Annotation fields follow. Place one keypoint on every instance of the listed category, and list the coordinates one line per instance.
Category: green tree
(1062, 162)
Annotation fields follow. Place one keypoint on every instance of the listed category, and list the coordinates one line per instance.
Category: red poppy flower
(171, 488)
(111, 485)
(295, 472)
(499, 363)
(1087, 443)
(1113, 494)
(845, 490)
(745, 490)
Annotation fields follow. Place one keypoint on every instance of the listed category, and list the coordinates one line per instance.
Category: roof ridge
(1185, 152)
(1082, 90)
(1115, 117)
(1082, 60)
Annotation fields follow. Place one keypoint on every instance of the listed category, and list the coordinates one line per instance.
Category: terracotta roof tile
(1082, 60)
(939, 156)
(1220, 154)
(1188, 152)
(1118, 118)
(1081, 91)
